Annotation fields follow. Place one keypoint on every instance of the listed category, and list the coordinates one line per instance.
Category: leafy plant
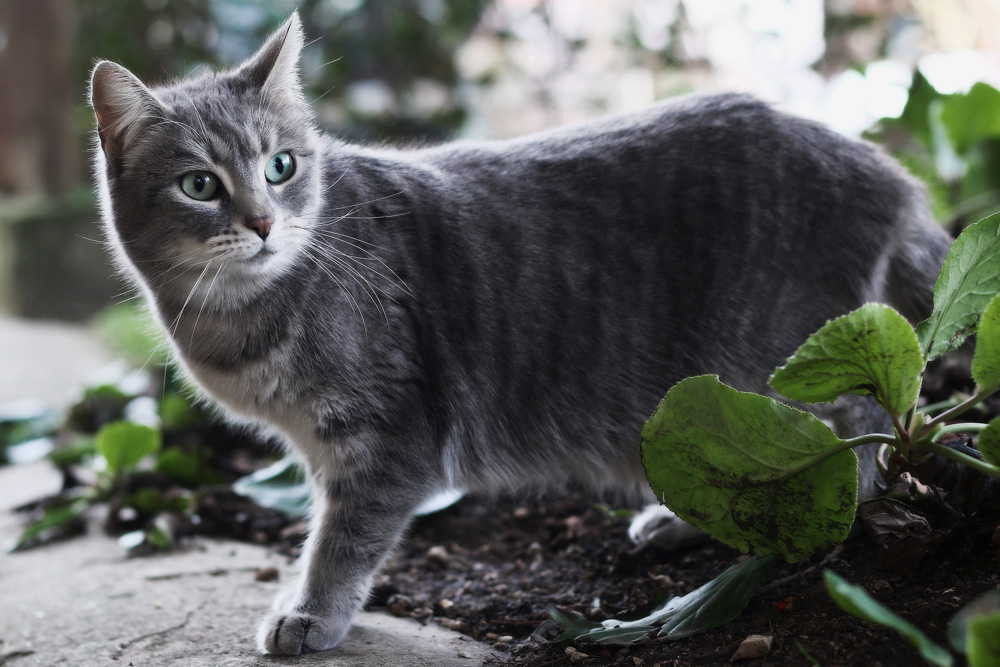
(974, 630)
(952, 142)
(726, 460)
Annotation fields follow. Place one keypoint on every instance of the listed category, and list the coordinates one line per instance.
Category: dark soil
(492, 570)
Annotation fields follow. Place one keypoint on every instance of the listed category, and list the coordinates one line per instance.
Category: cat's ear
(275, 67)
(122, 104)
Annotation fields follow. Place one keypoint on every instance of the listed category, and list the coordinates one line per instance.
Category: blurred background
(918, 76)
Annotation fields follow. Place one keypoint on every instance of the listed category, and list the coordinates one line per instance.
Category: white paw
(658, 527)
(298, 632)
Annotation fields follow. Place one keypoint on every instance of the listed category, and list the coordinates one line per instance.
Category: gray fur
(482, 315)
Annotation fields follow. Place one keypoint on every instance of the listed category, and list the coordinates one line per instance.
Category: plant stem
(869, 439)
(940, 405)
(977, 397)
(974, 427)
(959, 457)
(850, 443)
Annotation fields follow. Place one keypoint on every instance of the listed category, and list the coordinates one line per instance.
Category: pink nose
(261, 225)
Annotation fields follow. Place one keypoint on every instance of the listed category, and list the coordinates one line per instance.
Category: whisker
(177, 320)
(370, 201)
(354, 302)
(395, 280)
(339, 178)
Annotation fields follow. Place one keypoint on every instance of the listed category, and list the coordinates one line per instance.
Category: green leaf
(123, 444)
(281, 486)
(989, 442)
(986, 360)
(986, 604)
(717, 602)
(739, 465)
(56, 518)
(190, 469)
(872, 350)
(972, 117)
(177, 412)
(915, 115)
(855, 600)
(73, 453)
(983, 643)
(714, 604)
(968, 281)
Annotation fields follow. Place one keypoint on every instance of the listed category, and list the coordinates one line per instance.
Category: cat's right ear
(122, 104)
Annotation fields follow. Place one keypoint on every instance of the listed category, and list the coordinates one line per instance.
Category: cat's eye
(200, 185)
(279, 168)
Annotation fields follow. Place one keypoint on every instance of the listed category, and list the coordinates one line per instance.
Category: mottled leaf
(986, 360)
(752, 472)
(872, 350)
(969, 279)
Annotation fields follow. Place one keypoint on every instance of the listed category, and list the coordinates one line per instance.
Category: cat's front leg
(348, 542)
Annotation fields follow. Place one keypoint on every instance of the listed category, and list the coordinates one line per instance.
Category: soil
(491, 571)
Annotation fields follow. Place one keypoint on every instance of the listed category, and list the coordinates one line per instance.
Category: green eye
(200, 185)
(279, 168)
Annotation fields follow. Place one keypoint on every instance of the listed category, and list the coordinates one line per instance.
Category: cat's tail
(915, 264)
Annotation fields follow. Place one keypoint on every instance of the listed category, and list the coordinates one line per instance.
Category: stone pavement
(82, 603)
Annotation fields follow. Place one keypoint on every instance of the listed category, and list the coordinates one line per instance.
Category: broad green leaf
(972, 117)
(855, 600)
(983, 642)
(872, 350)
(989, 442)
(750, 471)
(123, 444)
(986, 604)
(281, 486)
(968, 281)
(714, 604)
(986, 360)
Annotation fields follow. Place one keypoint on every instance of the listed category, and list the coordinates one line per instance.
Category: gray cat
(483, 316)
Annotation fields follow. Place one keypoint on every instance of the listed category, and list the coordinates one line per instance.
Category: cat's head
(213, 178)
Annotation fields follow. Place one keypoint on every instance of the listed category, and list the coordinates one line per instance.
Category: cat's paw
(296, 633)
(660, 528)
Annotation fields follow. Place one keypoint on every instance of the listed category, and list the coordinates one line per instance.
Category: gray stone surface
(45, 360)
(82, 603)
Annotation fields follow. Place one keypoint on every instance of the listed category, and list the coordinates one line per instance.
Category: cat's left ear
(275, 67)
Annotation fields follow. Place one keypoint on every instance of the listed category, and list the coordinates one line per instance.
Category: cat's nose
(261, 225)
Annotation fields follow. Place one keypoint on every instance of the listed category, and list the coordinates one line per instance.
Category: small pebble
(754, 646)
(574, 655)
(269, 573)
(438, 555)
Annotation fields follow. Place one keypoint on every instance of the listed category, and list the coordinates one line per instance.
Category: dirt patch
(491, 570)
